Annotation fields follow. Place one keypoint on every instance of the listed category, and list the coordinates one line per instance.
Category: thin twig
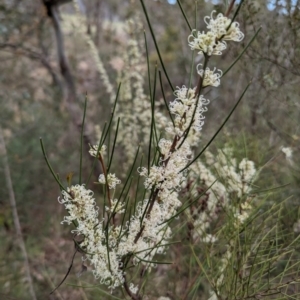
(229, 8)
(13, 205)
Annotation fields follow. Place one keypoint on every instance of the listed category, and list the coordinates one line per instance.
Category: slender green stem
(130, 172)
(112, 113)
(97, 154)
(184, 15)
(148, 65)
(164, 245)
(157, 155)
(81, 139)
(241, 54)
(237, 10)
(151, 136)
(192, 69)
(113, 146)
(50, 167)
(155, 43)
(153, 104)
(164, 97)
(155, 262)
(124, 215)
(137, 186)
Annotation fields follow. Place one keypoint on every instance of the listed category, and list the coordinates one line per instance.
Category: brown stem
(229, 8)
(173, 147)
(197, 95)
(152, 200)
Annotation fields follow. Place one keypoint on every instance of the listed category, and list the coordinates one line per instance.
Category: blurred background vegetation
(42, 98)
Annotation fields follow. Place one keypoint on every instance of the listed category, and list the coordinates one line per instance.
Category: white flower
(81, 207)
(80, 204)
(220, 280)
(213, 296)
(116, 207)
(164, 147)
(143, 171)
(206, 43)
(241, 218)
(112, 180)
(133, 288)
(247, 169)
(220, 27)
(209, 239)
(94, 148)
(155, 176)
(288, 152)
(296, 227)
(210, 77)
(210, 159)
(183, 108)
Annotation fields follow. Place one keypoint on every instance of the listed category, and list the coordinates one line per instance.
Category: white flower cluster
(143, 235)
(210, 77)
(213, 42)
(223, 27)
(288, 152)
(225, 261)
(117, 207)
(206, 43)
(93, 150)
(229, 185)
(99, 244)
(183, 108)
(237, 181)
(112, 180)
(82, 209)
(165, 180)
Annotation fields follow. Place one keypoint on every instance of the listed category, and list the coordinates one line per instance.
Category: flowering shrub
(109, 243)
(133, 227)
